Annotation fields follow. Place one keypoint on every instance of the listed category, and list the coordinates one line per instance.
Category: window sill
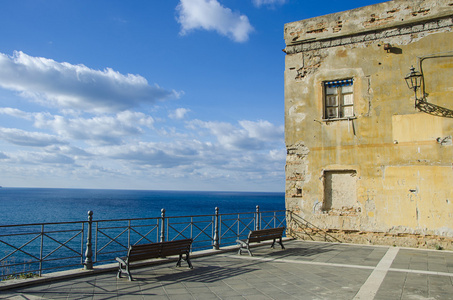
(339, 119)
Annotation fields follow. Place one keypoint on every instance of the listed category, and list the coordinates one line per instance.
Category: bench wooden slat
(155, 250)
(143, 256)
(256, 236)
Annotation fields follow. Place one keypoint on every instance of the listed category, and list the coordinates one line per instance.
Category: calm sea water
(40, 205)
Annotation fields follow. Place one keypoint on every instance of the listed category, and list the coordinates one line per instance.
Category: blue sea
(62, 245)
(43, 205)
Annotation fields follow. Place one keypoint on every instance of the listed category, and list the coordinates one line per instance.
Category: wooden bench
(256, 236)
(154, 250)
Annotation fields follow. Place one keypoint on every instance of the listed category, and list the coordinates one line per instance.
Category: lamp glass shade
(413, 79)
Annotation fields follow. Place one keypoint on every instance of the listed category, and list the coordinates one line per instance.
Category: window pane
(348, 111)
(331, 101)
(332, 112)
(331, 90)
(347, 89)
(348, 99)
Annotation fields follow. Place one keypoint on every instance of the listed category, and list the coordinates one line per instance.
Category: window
(338, 99)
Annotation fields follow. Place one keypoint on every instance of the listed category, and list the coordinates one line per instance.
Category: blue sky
(146, 94)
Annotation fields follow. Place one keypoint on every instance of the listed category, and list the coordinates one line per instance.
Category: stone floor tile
(227, 293)
(176, 291)
(441, 296)
(220, 288)
(199, 290)
(257, 297)
(232, 298)
(130, 297)
(437, 267)
(393, 295)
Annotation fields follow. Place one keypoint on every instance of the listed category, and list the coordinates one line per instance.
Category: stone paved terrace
(305, 270)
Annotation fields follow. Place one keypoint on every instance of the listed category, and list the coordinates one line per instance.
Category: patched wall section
(296, 175)
(340, 192)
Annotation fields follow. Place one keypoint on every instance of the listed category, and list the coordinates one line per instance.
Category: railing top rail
(76, 222)
(227, 214)
(273, 211)
(188, 216)
(39, 232)
(126, 219)
(40, 224)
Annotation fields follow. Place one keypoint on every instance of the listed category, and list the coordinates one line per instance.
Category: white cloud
(263, 130)
(260, 3)
(76, 86)
(40, 159)
(157, 154)
(29, 139)
(250, 136)
(53, 158)
(16, 113)
(68, 150)
(132, 147)
(238, 155)
(178, 113)
(195, 158)
(211, 15)
(101, 129)
(97, 130)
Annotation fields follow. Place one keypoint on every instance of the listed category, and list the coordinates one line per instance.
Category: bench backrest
(265, 234)
(155, 250)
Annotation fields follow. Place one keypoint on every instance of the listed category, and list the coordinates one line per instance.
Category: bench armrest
(121, 261)
(241, 242)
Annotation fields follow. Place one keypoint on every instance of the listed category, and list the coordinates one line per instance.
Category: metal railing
(34, 249)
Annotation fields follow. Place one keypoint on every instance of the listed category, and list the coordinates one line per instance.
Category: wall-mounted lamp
(414, 81)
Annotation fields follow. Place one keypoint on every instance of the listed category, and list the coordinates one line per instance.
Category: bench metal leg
(243, 246)
(187, 259)
(122, 270)
(246, 249)
(280, 242)
(123, 267)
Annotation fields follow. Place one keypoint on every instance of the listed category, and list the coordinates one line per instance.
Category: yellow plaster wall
(415, 197)
(416, 127)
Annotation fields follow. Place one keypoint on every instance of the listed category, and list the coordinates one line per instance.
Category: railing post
(41, 250)
(257, 218)
(162, 228)
(216, 230)
(89, 252)
(129, 233)
(289, 222)
(275, 219)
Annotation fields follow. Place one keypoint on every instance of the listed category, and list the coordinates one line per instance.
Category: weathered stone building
(369, 160)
